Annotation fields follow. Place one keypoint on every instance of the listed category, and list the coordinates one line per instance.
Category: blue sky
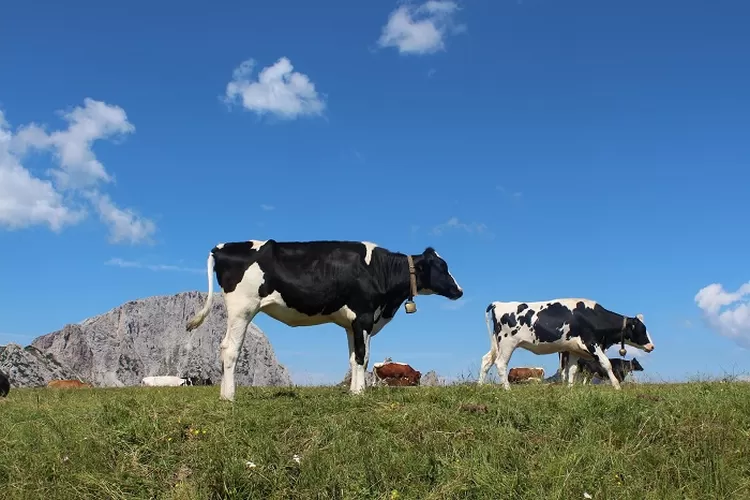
(546, 148)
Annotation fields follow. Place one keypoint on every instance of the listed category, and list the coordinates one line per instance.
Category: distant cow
(356, 285)
(523, 374)
(580, 326)
(199, 381)
(396, 374)
(165, 381)
(67, 384)
(590, 368)
(4, 385)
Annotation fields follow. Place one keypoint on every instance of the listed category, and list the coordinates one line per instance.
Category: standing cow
(356, 285)
(589, 368)
(580, 326)
(4, 385)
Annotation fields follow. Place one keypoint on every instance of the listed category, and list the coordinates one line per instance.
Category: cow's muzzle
(648, 347)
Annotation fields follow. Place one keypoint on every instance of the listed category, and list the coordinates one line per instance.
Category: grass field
(686, 441)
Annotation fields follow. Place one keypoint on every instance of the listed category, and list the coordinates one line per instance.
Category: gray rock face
(431, 379)
(29, 367)
(147, 337)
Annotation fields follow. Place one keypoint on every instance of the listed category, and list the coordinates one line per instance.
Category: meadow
(648, 441)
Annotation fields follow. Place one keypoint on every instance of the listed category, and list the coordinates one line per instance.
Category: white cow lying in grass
(165, 381)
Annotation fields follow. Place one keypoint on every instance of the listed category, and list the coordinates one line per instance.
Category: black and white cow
(589, 368)
(356, 285)
(580, 326)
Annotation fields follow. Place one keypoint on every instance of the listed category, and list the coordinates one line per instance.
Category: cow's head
(433, 276)
(635, 365)
(637, 335)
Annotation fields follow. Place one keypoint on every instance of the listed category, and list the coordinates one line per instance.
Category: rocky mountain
(431, 379)
(29, 367)
(147, 337)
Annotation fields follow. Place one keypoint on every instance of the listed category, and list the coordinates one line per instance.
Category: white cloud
(267, 208)
(125, 226)
(420, 30)
(28, 199)
(454, 224)
(117, 262)
(728, 313)
(278, 90)
(515, 195)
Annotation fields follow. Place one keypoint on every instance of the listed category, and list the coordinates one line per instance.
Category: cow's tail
(198, 319)
(490, 330)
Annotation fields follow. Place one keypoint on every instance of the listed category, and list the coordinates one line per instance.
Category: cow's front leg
(361, 328)
(599, 355)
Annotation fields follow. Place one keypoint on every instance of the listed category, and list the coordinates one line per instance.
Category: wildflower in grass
(296, 458)
(395, 495)
(587, 495)
(250, 465)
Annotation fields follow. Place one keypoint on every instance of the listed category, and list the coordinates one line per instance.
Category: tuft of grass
(537, 441)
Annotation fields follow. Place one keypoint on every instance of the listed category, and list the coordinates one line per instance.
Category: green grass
(686, 441)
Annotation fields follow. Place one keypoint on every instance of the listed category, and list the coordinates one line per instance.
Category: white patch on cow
(564, 330)
(257, 243)
(220, 246)
(383, 363)
(369, 247)
(275, 307)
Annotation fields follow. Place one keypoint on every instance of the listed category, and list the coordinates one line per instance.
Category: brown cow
(396, 374)
(525, 374)
(67, 384)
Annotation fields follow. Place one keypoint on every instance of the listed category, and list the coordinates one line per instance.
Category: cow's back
(67, 384)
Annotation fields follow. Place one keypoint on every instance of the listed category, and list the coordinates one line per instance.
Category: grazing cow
(580, 326)
(67, 384)
(165, 381)
(516, 375)
(4, 385)
(356, 285)
(396, 374)
(590, 368)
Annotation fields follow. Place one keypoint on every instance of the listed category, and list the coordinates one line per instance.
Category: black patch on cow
(526, 318)
(605, 327)
(515, 331)
(508, 319)
(521, 307)
(495, 325)
(550, 320)
(4, 385)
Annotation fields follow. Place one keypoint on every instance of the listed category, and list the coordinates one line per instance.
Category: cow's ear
(640, 317)
(429, 251)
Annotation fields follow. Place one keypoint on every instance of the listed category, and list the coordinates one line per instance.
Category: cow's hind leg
(487, 361)
(359, 346)
(501, 363)
(239, 315)
(571, 368)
